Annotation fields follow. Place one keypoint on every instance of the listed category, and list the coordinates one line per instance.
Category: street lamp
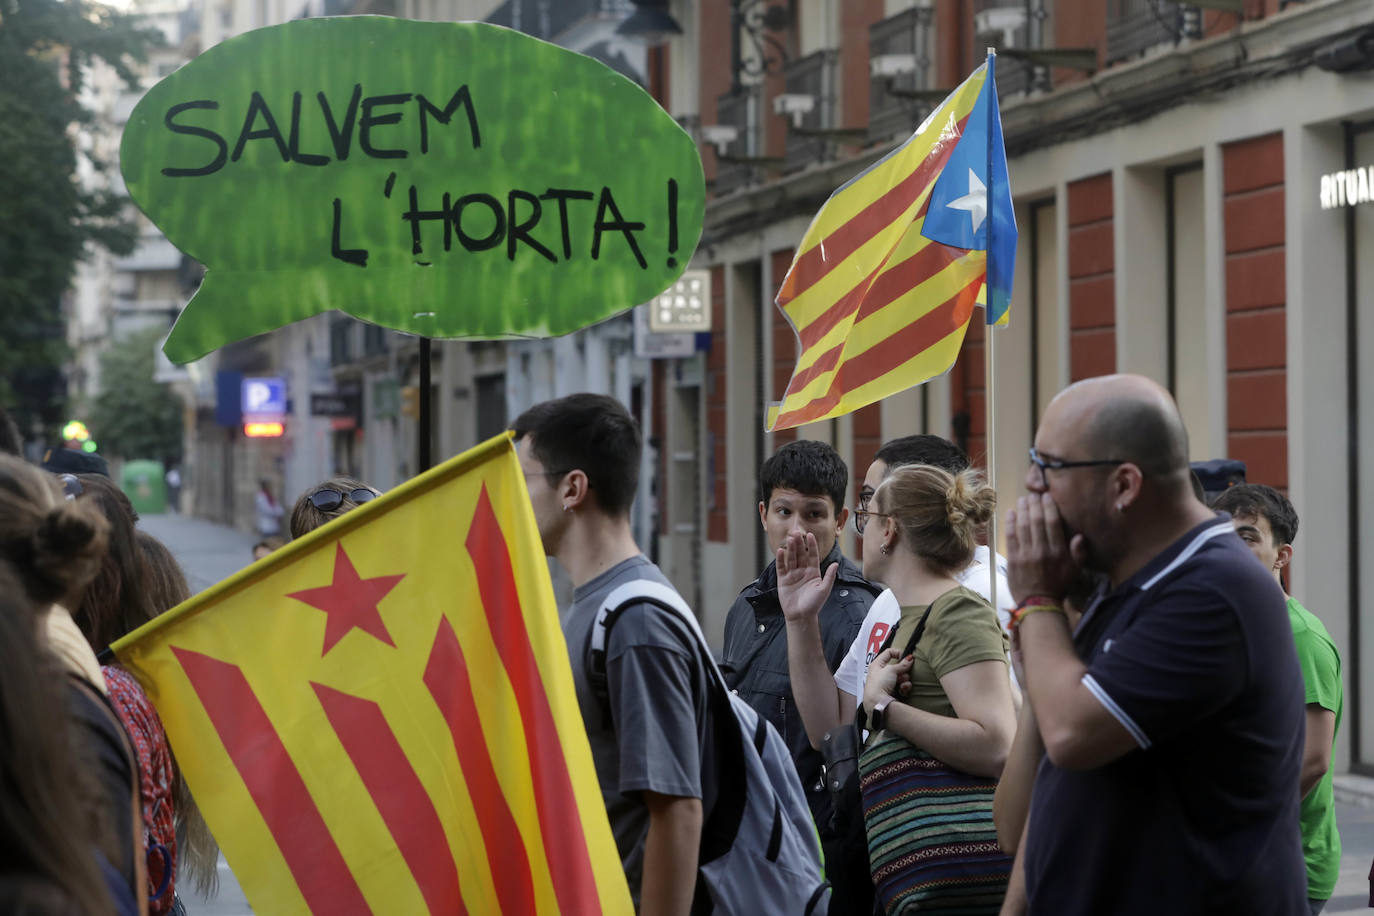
(650, 22)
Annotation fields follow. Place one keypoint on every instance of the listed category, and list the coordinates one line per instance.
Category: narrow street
(210, 552)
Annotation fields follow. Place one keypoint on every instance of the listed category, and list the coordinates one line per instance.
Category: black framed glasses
(1056, 464)
(71, 485)
(861, 516)
(327, 499)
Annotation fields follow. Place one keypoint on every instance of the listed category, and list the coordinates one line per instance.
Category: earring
(565, 507)
(884, 550)
(1120, 508)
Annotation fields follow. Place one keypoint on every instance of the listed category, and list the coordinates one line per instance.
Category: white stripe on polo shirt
(1222, 527)
(1187, 553)
(1117, 712)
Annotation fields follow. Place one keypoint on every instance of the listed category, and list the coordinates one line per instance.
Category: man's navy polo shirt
(1194, 656)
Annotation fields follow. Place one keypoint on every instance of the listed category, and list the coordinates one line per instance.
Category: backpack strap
(623, 597)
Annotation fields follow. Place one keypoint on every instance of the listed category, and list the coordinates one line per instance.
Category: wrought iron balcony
(736, 157)
(811, 108)
(1137, 26)
(899, 49)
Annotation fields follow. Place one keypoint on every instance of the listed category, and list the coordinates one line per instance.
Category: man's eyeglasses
(327, 499)
(71, 485)
(861, 516)
(1055, 464)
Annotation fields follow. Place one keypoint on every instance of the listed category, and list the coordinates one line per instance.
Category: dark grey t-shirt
(659, 736)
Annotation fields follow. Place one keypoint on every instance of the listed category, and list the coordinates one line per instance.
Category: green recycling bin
(143, 483)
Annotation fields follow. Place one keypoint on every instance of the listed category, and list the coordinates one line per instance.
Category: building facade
(1192, 190)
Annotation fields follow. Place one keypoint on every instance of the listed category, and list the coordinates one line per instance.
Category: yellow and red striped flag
(380, 717)
(877, 304)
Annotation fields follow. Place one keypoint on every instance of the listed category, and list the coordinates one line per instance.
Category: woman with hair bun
(937, 702)
(54, 548)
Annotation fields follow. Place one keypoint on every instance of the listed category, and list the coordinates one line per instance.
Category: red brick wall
(1256, 339)
(855, 18)
(774, 125)
(1092, 277)
(1085, 27)
(713, 68)
(953, 43)
(657, 65)
(784, 342)
(717, 514)
(868, 438)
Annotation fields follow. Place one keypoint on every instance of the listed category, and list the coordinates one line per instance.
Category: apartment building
(1192, 189)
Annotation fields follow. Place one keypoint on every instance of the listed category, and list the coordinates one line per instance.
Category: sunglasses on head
(327, 499)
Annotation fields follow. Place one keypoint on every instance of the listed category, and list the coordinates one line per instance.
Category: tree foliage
(46, 216)
(135, 416)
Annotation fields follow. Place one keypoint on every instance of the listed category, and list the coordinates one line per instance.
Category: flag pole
(423, 459)
(989, 357)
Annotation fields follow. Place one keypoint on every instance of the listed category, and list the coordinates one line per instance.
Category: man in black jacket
(801, 488)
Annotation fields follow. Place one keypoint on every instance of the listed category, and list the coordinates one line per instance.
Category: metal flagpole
(989, 357)
(423, 458)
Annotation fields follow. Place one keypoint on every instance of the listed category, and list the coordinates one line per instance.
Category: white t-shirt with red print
(885, 612)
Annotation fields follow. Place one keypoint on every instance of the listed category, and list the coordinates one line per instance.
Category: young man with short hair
(580, 456)
(1267, 522)
(801, 488)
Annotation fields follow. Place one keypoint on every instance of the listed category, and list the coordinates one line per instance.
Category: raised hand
(802, 590)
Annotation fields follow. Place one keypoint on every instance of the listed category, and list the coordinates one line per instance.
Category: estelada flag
(380, 717)
(883, 285)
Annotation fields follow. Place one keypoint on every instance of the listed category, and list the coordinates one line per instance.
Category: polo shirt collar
(1169, 559)
(1178, 553)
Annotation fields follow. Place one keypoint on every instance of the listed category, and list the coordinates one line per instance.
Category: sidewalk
(1351, 789)
(208, 552)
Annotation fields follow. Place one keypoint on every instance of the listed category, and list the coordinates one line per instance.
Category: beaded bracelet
(1023, 610)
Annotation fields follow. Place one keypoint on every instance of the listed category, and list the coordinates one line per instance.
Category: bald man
(1172, 717)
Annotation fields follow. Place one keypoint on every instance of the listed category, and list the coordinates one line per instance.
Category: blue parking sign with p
(264, 398)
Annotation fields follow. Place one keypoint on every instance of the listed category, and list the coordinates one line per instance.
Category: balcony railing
(740, 111)
(814, 77)
(893, 109)
(1137, 26)
(1015, 77)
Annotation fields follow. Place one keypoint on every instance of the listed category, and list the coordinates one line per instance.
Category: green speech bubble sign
(445, 179)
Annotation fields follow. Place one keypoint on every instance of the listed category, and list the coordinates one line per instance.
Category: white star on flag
(975, 201)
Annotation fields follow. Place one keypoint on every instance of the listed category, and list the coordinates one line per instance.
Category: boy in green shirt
(1267, 523)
